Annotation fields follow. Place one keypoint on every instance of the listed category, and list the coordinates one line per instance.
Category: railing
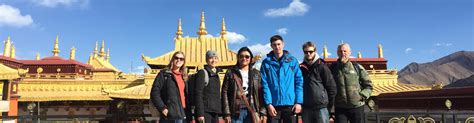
(110, 118)
(419, 117)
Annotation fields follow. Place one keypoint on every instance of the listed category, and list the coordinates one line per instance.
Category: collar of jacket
(308, 66)
(285, 58)
(208, 68)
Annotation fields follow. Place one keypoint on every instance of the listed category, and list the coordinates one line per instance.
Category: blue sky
(410, 30)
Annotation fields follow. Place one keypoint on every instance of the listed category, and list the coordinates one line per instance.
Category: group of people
(280, 91)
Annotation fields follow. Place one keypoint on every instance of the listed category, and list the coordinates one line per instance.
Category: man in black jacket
(319, 87)
(208, 98)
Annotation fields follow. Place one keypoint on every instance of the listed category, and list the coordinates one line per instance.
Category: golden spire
(56, 47)
(380, 51)
(325, 52)
(179, 33)
(89, 62)
(73, 53)
(108, 55)
(359, 55)
(13, 51)
(102, 50)
(6, 51)
(202, 27)
(224, 31)
(38, 56)
(96, 49)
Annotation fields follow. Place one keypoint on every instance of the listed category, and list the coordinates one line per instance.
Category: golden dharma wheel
(39, 70)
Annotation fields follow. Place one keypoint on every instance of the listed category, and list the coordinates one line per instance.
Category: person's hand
(227, 119)
(271, 110)
(201, 119)
(263, 119)
(165, 112)
(296, 108)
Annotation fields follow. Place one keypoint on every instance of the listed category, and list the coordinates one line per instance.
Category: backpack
(192, 85)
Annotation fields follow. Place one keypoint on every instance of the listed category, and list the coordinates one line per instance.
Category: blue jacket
(282, 81)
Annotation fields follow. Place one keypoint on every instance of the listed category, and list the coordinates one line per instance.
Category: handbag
(255, 115)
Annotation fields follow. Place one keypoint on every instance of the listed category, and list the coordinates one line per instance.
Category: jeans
(315, 115)
(284, 114)
(243, 117)
(172, 121)
(353, 115)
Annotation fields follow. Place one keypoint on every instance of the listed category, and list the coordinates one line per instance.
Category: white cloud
(208, 35)
(296, 8)
(55, 3)
(282, 31)
(442, 44)
(234, 37)
(407, 50)
(260, 49)
(11, 16)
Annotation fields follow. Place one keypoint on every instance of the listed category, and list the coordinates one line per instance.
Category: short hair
(275, 38)
(343, 44)
(309, 44)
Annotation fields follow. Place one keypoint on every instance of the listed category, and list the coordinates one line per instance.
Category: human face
(277, 46)
(178, 60)
(244, 58)
(212, 61)
(309, 53)
(344, 52)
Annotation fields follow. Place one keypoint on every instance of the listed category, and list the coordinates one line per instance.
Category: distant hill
(463, 82)
(448, 69)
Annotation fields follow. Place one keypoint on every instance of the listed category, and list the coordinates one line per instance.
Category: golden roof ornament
(102, 50)
(380, 51)
(89, 62)
(72, 55)
(13, 51)
(202, 27)
(96, 49)
(223, 30)
(325, 52)
(7, 48)
(359, 55)
(38, 56)
(179, 32)
(56, 47)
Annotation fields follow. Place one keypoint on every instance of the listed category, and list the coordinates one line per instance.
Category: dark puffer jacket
(319, 87)
(208, 98)
(165, 95)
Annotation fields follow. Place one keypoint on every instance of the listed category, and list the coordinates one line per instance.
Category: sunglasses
(179, 58)
(244, 56)
(310, 52)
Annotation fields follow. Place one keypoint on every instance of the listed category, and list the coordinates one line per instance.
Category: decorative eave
(136, 92)
(7, 73)
(101, 65)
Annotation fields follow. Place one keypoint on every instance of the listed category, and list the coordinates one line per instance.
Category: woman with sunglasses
(242, 94)
(168, 90)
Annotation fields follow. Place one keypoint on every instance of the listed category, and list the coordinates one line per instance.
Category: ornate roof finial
(38, 56)
(72, 56)
(380, 51)
(179, 32)
(108, 55)
(89, 62)
(56, 47)
(96, 49)
(7, 48)
(102, 50)
(13, 51)
(325, 52)
(202, 27)
(223, 30)
(359, 55)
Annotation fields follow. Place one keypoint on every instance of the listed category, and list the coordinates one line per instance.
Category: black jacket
(231, 102)
(165, 95)
(319, 87)
(208, 97)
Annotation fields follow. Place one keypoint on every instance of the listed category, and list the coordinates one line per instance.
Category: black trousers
(210, 117)
(353, 115)
(284, 115)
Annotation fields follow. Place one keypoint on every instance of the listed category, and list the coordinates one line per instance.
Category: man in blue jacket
(282, 83)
